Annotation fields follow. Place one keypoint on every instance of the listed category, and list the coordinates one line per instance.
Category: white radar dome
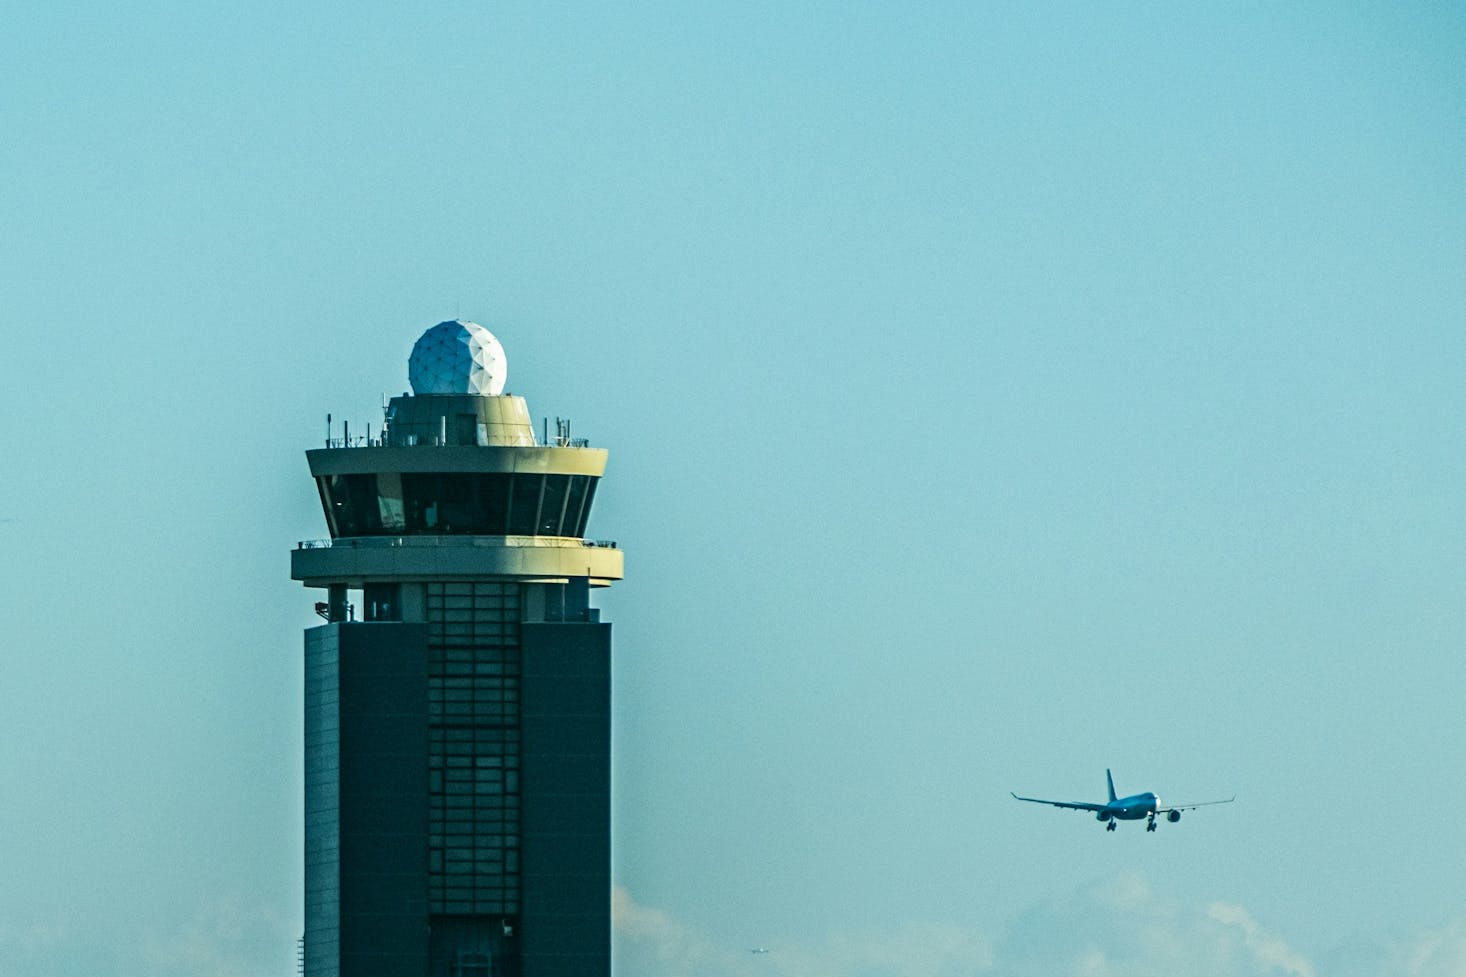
(457, 357)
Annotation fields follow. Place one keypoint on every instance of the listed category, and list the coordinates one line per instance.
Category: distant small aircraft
(757, 949)
(1131, 808)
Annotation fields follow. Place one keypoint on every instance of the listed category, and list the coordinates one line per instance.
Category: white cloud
(223, 939)
(651, 943)
(1119, 926)
(1115, 927)
(903, 950)
(1266, 949)
(651, 937)
(1428, 952)
(1433, 953)
(22, 944)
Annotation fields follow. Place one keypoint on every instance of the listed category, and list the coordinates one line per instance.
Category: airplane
(1131, 808)
(757, 949)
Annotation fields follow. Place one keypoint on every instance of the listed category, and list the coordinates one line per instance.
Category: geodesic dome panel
(457, 357)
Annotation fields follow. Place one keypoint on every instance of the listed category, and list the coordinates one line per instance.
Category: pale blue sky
(994, 394)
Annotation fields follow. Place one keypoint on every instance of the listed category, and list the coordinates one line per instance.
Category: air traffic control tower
(457, 701)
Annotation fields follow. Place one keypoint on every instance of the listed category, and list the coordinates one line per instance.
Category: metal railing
(360, 441)
(375, 441)
(352, 542)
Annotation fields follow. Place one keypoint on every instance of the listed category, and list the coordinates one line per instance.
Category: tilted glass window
(352, 501)
(524, 506)
(484, 504)
(590, 493)
(552, 505)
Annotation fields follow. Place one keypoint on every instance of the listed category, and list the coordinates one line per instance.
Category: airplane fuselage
(1131, 808)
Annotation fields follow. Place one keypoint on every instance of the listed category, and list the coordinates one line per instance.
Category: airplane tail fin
(1110, 781)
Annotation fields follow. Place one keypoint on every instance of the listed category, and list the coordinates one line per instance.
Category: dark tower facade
(457, 701)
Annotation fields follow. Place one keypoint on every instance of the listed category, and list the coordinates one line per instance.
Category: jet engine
(1102, 816)
(1173, 816)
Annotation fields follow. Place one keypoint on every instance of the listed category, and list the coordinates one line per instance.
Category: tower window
(381, 602)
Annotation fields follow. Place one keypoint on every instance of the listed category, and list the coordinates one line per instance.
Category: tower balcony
(362, 560)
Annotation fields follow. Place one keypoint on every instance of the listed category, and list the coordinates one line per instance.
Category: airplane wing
(1072, 805)
(1190, 807)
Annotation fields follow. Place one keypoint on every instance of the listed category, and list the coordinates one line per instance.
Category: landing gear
(1150, 823)
(1110, 826)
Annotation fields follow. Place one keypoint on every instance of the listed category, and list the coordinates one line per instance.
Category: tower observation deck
(457, 789)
